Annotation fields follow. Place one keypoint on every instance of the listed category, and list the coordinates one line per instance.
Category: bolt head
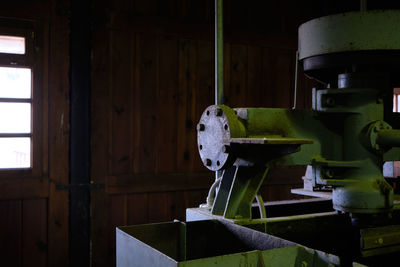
(218, 112)
(201, 127)
(207, 162)
(330, 101)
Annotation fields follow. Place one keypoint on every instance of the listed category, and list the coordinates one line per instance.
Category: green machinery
(345, 139)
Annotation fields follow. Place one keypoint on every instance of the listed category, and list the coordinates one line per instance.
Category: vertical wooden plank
(137, 209)
(204, 97)
(194, 198)
(177, 205)
(266, 77)
(238, 77)
(147, 86)
(167, 103)
(58, 117)
(227, 74)
(159, 209)
(122, 6)
(117, 208)
(99, 227)
(43, 82)
(277, 77)
(136, 101)
(254, 78)
(120, 90)
(187, 90)
(34, 229)
(168, 9)
(11, 233)
(146, 8)
(282, 78)
(205, 82)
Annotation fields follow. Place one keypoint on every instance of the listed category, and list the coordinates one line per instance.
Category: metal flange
(217, 125)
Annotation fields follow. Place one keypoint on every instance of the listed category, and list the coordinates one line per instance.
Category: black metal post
(79, 189)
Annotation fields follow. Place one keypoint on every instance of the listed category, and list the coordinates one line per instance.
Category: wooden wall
(33, 209)
(153, 75)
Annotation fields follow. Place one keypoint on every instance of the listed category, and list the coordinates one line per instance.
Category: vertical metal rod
(219, 58)
(219, 53)
(363, 5)
(295, 80)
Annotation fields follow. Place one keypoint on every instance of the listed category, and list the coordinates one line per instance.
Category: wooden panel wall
(33, 211)
(153, 75)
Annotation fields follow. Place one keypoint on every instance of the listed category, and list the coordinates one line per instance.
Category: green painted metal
(219, 58)
(344, 138)
(219, 52)
(247, 182)
(353, 31)
(210, 243)
(388, 138)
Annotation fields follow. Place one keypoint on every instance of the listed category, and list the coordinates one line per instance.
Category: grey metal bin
(209, 243)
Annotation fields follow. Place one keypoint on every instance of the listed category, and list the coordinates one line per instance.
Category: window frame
(396, 99)
(28, 60)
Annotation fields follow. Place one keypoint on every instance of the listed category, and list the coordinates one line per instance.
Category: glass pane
(15, 82)
(15, 152)
(15, 118)
(398, 103)
(12, 44)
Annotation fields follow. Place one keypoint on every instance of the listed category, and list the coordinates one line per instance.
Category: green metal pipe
(219, 53)
(388, 138)
(219, 58)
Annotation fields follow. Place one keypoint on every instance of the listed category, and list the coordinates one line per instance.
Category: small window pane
(15, 152)
(398, 103)
(12, 44)
(15, 82)
(15, 118)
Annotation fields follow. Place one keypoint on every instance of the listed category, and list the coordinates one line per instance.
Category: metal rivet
(226, 127)
(200, 147)
(329, 173)
(218, 163)
(207, 162)
(201, 127)
(330, 101)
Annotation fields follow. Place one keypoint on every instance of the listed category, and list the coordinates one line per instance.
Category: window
(396, 100)
(16, 101)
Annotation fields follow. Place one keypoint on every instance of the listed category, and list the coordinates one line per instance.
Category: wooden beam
(24, 188)
(58, 137)
(139, 183)
(165, 182)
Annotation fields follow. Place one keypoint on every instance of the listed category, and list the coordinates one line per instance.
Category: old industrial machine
(345, 139)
